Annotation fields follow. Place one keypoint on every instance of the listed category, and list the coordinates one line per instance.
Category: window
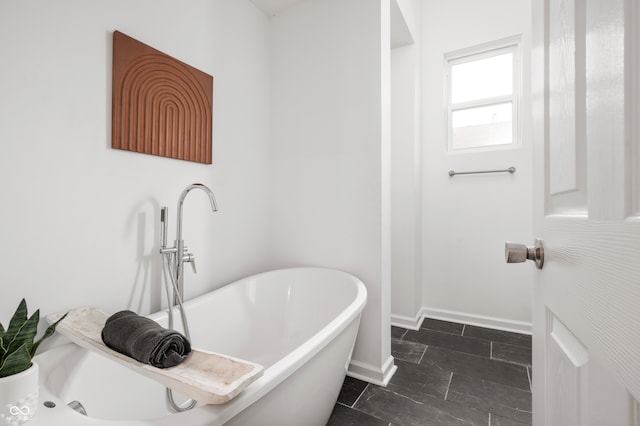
(483, 88)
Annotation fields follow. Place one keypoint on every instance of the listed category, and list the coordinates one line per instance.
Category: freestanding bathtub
(299, 323)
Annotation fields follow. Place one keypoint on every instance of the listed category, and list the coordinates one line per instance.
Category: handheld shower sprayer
(164, 218)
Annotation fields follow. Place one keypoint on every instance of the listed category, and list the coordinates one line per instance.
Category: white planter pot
(19, 397)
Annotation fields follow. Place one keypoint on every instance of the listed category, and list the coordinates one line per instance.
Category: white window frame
(486, 50)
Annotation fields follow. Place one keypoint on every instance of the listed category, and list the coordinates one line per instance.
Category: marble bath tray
(207, 377)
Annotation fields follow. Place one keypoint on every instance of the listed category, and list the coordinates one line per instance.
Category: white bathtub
(299, 323)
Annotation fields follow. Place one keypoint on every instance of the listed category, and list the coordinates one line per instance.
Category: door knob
(517, 253)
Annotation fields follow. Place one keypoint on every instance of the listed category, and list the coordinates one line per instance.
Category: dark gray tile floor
(448, 374)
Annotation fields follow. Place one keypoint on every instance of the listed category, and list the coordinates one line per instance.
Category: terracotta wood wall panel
(161, 106)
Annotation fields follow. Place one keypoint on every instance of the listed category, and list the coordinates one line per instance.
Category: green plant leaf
(17, 343)
(17, 320)
(48, 333)
(19, 317)
(25, 335)
(16, 362)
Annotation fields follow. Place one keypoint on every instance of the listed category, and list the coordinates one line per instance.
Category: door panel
(586, 325)
(566, 373)
(564, 30)
(567, 152)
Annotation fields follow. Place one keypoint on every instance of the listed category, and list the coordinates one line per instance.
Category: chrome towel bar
(509, 170)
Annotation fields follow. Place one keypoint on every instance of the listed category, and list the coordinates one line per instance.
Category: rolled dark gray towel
(145, 340)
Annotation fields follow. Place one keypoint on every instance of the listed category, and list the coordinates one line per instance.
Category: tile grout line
(423, 352)
(404, 334)
(359, 396)
(448, 386)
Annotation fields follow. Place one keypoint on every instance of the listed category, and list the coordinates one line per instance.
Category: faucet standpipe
(176, 257)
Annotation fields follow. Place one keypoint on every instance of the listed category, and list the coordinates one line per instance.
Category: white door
(586, 325)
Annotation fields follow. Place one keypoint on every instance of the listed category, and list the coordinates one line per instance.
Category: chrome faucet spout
(181, 256)
(212, 200)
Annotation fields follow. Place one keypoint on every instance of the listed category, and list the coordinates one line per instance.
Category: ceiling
(271, 7)
(400, 34)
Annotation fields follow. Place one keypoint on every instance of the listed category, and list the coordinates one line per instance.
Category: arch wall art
(161, 106)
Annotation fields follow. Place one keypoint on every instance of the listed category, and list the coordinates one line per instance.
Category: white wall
(330, 142)
(79, 221)
(467, 219)
(406, 167)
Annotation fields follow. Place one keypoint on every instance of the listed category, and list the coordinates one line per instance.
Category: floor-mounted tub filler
(299, 323)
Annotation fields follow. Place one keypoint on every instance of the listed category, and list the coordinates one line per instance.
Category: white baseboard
(407, 322)
(479, 320)
(414, 323)
(372, 374)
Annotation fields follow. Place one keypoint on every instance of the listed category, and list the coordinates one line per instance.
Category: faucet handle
(189, 257)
